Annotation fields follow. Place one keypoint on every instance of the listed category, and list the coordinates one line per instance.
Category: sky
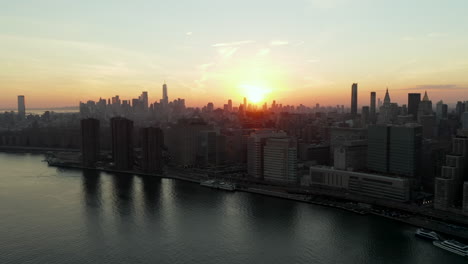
(60, 52)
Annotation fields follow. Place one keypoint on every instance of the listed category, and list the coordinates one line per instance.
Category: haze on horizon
(58, 53)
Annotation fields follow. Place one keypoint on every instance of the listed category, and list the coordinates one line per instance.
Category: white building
(378, 186)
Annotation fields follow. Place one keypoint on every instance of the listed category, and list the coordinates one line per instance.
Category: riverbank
(44, 150)
(358, 206)
(417, 216)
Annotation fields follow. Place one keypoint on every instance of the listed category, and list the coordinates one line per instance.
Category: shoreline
(415, 220)
(345, 203)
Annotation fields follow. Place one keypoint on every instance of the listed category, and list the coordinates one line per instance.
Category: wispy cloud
(236, 43)
(436, 34)
(263, 52)
(227, 52)
(190, 33)
(299, 43)
(205, 66)
(279, 43)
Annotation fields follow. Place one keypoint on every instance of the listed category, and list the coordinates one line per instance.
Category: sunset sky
(58, 52)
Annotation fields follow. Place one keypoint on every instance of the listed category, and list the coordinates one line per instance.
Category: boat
(219, 185)
(208, 183)
(227, 186)
(427, 234)
(453, 246)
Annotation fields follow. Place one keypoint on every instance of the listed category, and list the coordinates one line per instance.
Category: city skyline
(254, 101)
(57, 58)
(244, 131)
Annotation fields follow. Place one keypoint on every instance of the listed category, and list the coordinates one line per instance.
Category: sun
(255, 94)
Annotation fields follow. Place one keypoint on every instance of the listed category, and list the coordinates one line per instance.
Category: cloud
(227, 52)
(263, 52)
(189, 33)
(205, 66)
(278, 43)
(436, 34)
(236, 43)
(436, 87)
(297, 44)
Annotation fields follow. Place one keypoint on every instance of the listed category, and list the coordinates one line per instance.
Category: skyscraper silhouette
(21, 106)
(90, 141)
(354, 91)
(152, 141)
(413, 104)
(165, 97)
(122, 143)
(372, 111)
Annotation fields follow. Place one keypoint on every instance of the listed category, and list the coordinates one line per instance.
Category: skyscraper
(90, 141)
(255, 145)
(354, 91)
(182, 140)
(388, 111)
(152, 141)
(413, 104)
(230, 105)
(395, 149)
(449, 186)
(122, 143)
(426, 116)
(425, 106)
(165, 98)
(280, 160)
(144, 100)
(378, 148)
(372, 112)
(441, 111)
(21, 106)
(405, 150)
(365, 115)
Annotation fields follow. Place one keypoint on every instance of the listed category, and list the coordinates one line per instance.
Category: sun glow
(255, 94)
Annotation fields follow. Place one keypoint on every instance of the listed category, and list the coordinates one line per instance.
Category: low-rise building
(378, 186)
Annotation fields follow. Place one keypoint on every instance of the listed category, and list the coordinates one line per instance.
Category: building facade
(280, 160)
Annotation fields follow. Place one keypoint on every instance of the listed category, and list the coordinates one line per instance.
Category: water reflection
(123, 194)
(92, 194)
(151, 194)
(92, 188)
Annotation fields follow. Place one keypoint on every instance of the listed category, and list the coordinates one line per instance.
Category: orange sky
(307, 51)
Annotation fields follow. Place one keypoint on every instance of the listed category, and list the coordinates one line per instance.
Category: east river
(50, 215)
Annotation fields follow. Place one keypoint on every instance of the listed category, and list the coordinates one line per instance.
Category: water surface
(50, 215)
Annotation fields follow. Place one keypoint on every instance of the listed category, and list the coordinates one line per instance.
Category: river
(51, 215)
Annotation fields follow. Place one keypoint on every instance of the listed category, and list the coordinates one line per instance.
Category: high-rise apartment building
(255, 150)
(152, 142)
(280, 160)
(122, 143)
(90, 138)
